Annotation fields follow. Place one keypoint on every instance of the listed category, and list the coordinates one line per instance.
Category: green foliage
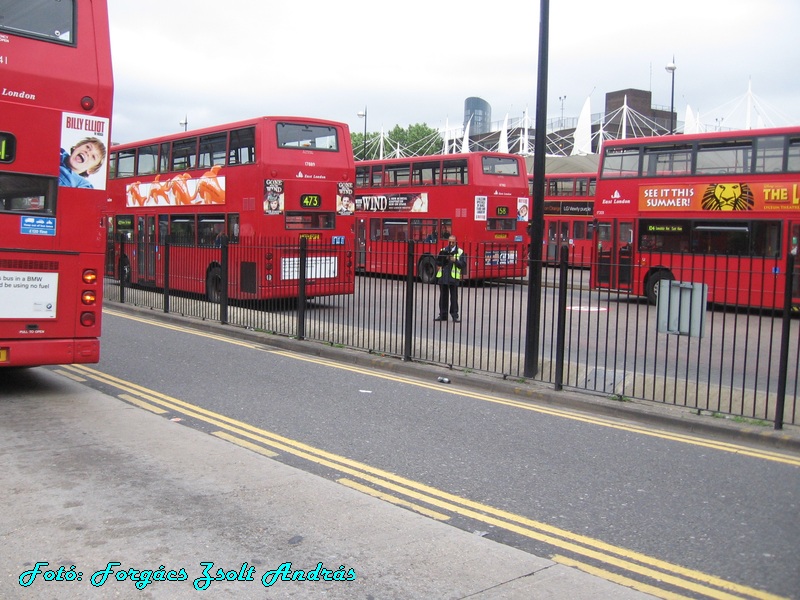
(416, 140)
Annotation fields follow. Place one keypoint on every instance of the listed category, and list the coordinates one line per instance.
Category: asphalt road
(635, 501)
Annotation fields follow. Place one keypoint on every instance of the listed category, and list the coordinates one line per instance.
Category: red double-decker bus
(721, 209)
(481, 197)
(568, 216)
(55, 111)
(264, 183)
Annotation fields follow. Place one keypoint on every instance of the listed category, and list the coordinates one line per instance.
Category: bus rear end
(54, 129)
(308, 208)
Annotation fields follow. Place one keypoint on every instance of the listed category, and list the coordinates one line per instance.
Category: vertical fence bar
(562, 317)
(301, 290)
(166, 255)
(223, 299)
(784, 357)
(408, 328)
(121, 268)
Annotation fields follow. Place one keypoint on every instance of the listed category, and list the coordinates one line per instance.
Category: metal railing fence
(745, 364)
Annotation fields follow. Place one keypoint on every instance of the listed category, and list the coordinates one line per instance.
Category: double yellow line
(644, 573)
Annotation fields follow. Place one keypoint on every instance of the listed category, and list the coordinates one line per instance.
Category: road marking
(393, 499)
(631, 561)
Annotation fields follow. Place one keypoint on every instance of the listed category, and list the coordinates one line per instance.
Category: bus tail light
(88, 319)
(87, 103)
(90, 276)
(89, 297)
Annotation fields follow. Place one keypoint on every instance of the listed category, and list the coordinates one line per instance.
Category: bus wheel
(214, 284)
(124, 270)
(653, 284)
(426, 270)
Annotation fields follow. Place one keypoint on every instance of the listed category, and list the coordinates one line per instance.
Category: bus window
(124, 228)
(55, 22)
(445, 227)
(395, 230)
(147, 163)
(233, 228)
(309, 220)
(209, 227)
(769, 154)
(793, 155)
(375, 230)
(182, 229)
(425, 173)
(501, 224)
(163, 229)
(362, 176)
(668, 160)
(242, 146)
(396, 175)
(423, 230)
(724, 158)
(27, 194)
(163, 163)
(126, 160)
(212, 150)
(303, 135)
(454, 172)
(377, 176)
(500, 165)
(621, 162)
(184, 154)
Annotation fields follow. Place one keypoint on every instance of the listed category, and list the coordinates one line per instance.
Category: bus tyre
(214, 284)
(426, 269)
(653, 283)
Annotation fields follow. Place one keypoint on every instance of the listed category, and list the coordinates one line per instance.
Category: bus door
(614, 254)
(146, 249)
(558, 235)
(361, 243)
(111, 251)
(794, 244)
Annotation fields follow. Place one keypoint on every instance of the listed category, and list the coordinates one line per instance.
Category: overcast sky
(417, 61)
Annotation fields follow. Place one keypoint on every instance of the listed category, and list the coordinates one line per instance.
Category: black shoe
(440, 319)
(456, 320)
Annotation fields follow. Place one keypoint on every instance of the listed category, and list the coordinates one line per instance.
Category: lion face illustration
(728, 196)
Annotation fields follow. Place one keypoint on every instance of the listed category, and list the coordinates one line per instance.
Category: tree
(416, 140)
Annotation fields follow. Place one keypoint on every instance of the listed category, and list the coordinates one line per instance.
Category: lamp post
(185, 122)
(363, 115)
(671, 70)
(561, 99)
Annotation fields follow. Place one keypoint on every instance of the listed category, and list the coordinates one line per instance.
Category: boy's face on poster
(85, 158)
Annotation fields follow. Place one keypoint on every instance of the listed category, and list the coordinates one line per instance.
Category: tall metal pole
(364, 142)
(671, 70)
(537, 212)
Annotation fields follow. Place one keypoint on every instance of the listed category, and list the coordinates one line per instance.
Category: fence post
(223, 300)
(120, 269)
(408, 329)
(784, 354)
(167, 245)
(301, 290)
(562, 316)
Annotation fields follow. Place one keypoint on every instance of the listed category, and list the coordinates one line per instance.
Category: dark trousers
(448, 294)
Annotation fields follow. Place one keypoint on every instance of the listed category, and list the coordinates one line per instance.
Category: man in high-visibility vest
(451, 262)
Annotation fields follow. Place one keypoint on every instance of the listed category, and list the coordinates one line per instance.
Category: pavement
(91, 481)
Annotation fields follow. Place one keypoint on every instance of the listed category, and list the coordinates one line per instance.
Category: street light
(185, 122)
(561, 99)
(671, 70)
(363, 115)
